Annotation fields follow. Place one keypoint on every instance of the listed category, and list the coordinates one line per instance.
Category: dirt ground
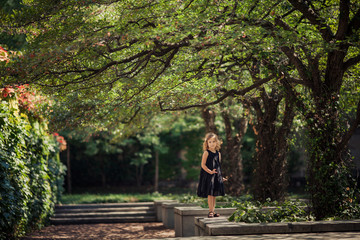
(103, 231)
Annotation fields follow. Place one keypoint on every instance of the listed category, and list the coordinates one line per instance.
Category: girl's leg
(214, 203)
(210, 200)
(213, 207)
(210, 205)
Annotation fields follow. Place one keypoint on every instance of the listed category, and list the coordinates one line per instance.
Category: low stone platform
(292, 236)
(158, 207)
(221, 226)
(168, 215)
(185, 218)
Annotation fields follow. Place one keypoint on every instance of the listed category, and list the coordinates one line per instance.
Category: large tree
(112, 58)
(323, 61)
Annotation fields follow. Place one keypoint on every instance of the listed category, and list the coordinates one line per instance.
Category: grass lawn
(113, 197)
(145, 194)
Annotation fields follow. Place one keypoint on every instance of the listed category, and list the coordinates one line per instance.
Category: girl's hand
(213, 171)
(224, 179)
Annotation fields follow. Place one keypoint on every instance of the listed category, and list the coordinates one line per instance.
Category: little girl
(211, 182)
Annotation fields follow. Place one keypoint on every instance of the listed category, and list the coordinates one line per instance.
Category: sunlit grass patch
(112, 198)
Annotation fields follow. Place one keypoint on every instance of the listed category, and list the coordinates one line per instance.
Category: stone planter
(221, 226)
(168, 212)
(158, 208)
(185, 218)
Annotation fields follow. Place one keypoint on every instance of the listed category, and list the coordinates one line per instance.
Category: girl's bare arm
(203, 163)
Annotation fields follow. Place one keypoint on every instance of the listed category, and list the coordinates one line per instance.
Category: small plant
(189, 198)
(255, 212)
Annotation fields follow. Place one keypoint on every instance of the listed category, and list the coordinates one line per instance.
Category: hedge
(31, 174)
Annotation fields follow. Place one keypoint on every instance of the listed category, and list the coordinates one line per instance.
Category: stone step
(92, 220)
(221, 227)
(104, 209)
(104, 214)
(104, 205)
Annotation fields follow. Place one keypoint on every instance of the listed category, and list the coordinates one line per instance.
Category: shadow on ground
(103, 231)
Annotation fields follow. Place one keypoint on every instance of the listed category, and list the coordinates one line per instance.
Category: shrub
(255, 212)
(31, 174)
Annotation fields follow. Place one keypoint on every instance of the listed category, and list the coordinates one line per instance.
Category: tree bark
(232, 163)
(209, 119)
(329, 167)
(68, 165)
(100, 159)
(269, 177)
(156, 180)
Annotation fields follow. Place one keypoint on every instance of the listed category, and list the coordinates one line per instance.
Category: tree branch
(351, 62)
(227, 94)
(132, 117)
(288, 117)
(314, 19)
(188, 5)
(292, 94)
(343, 19)
(290, 53)
(255, 4)
(270, 9)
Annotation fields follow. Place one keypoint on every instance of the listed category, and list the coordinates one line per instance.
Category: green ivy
(330, 182)
(31, 174)
(256, 212)
(289, 211)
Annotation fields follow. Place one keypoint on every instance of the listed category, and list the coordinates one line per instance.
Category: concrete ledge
(168, 212)
(221, 226)
(158, 208)
(184, 218)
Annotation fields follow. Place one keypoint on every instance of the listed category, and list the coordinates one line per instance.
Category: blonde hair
(209, 136)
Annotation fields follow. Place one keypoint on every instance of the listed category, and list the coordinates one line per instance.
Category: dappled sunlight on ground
(103, 231)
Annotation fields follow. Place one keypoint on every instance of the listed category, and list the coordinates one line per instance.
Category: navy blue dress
(211, 184)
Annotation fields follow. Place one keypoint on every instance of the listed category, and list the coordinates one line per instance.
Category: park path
(293, 236)
(138, 221)
(103, 221)
(103, 231)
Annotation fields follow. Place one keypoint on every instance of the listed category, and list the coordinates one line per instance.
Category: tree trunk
(209, 118)
(329, 166)
(139, 174)
(329, 163)
(232, 159)
(156, 180)
(68, 165)
(269, 178)
(102, 170)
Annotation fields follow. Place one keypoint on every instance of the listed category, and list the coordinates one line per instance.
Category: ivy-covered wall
(31, 174)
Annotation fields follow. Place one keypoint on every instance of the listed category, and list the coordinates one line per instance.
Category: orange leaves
(61, 140)
(7, 91)
(4, 55)
(27, 100)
